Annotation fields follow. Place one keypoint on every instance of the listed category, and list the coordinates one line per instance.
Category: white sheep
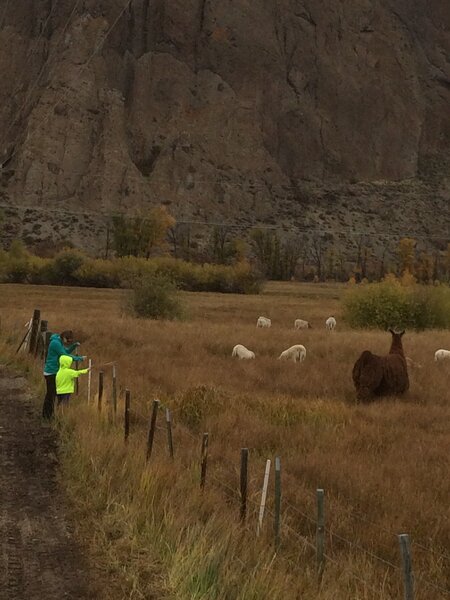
(330, 323)
(242, 352)
(295, 353)
(442, 355)
(263, 322)
(301, 324)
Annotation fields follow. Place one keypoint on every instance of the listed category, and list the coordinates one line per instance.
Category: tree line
(306, 257)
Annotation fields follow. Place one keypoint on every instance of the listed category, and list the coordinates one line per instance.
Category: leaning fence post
(320, 533)
(151, 431)
(408, 575)
(89, 381)
(100, 390)
(204, 460)
(24, 339)
(169, 432)
(114, 393)
(244, 483)
(34, 331)
(277, 501)
(263, 497)
(127, 415)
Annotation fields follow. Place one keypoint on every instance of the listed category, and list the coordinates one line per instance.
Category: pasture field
(384, 467)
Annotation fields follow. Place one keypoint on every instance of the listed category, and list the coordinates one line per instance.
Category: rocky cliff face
(319, 115)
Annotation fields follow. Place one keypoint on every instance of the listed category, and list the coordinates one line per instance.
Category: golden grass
(384, 467)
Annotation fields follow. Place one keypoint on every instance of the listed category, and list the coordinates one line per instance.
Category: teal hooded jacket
(65, 377)
(56, 349)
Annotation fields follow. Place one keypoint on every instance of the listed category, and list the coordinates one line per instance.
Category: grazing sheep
(442, 355)
(301, 324)
(330, 323)
(295, 353)
(263, 322)
(381, 375)
(242, 352)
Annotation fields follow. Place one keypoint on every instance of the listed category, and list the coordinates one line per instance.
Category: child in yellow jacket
(65, 379)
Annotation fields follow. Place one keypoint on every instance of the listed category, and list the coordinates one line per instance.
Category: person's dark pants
(63, 399)
(49, 400)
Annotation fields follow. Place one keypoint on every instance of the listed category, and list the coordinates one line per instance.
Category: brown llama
(381, 375)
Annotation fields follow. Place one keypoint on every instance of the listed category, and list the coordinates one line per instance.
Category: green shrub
(15, 263)
(98, 273)
(65, 264)
(391, 304)
(72, 267)
(155, 297)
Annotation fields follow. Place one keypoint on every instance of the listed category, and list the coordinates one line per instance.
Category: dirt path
(39, 559)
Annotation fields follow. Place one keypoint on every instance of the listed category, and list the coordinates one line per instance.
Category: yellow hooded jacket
(65, 377)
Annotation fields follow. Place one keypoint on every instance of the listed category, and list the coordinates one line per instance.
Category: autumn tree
(140, 234)
(406, 254)
(318, 250)
(277, 258)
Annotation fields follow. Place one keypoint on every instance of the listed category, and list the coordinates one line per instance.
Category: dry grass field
(384, 467)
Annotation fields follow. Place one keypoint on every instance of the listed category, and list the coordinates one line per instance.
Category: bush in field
(65, 264)
(393, 304)
(15, 264)
(155, 297)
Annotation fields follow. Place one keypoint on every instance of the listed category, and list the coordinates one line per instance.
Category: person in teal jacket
(65, 379)
(60, 345)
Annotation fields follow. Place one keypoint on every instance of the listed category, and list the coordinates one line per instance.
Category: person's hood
(54, 336)
(65, 362)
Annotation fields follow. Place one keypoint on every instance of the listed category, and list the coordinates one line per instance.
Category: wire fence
(103, 398)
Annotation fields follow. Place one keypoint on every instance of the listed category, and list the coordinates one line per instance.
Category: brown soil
(39, 558)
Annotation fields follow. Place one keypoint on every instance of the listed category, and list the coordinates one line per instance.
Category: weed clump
(155, 297)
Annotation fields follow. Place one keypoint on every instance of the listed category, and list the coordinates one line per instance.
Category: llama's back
(367, 374)
(395, 375)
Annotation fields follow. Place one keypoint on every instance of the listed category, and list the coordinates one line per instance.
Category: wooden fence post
(263, 497)
(169, 432)
(100, 390)
(77, 387)
(114, 393)
(277, 522)
(34, 331)
(204, 460)
(40, 344)
(89, 381)
(48, 335)
(244, 483)
(408, 576)
(151, 431)
(320, 533)
(127, 415)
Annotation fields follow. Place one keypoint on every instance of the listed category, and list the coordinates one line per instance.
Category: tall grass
(383, 467)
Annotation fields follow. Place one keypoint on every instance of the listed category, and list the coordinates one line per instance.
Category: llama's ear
(401, 333)
(391, 331)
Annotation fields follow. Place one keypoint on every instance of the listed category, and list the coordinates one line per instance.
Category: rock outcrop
(319, 116)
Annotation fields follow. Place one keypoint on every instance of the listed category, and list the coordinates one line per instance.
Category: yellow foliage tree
(406, 254)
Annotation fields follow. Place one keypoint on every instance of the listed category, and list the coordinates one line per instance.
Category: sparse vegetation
(148, 525)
